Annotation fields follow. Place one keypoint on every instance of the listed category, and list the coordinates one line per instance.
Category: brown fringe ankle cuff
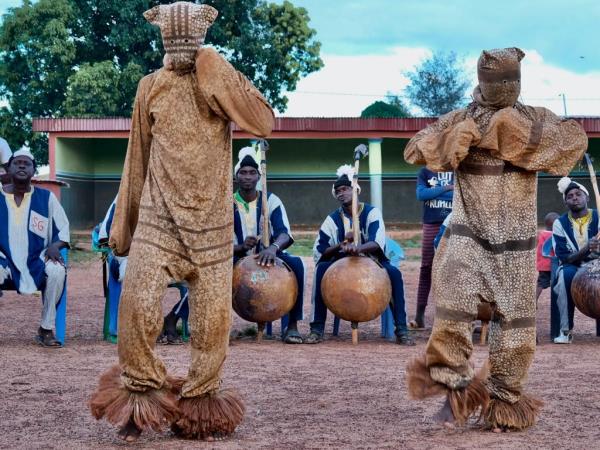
(419, 383)
(216, 413)
(153, 409)
(465, 402)
(516, 416)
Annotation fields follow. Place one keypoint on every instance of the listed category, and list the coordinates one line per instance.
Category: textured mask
(499, 75)
(183, 26)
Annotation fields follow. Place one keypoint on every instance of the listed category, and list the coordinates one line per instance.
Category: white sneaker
(563, 338)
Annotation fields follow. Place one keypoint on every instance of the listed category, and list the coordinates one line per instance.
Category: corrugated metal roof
(589, 124)
(79, 124)
(282, 124)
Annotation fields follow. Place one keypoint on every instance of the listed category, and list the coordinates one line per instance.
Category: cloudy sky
(367, 46)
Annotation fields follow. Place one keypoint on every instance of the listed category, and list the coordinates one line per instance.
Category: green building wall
(301, 172)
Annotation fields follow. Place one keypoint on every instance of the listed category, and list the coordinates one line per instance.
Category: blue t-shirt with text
(437, 202)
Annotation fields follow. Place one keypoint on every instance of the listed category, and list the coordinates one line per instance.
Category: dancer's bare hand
(594, 245)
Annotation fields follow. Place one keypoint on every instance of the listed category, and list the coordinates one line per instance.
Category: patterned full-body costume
(495, 146)
(173, 217)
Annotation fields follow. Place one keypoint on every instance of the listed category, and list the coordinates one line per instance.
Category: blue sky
(562, 31)
(368, 45)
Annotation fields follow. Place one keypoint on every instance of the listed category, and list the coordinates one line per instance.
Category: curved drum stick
(590, 166)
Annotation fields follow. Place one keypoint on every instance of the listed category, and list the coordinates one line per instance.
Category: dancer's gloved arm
(444, 144)
(535, 139)
(231, 96)
(134, 172)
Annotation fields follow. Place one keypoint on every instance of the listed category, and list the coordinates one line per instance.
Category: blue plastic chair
(111, 307)
(395, 253)
(61, 308)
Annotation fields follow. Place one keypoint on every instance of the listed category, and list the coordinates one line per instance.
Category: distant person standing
(435, 190)
(5, 154)
(543, 262)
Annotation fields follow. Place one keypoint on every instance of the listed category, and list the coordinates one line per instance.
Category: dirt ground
(330, 395)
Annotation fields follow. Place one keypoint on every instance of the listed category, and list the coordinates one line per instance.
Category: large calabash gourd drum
(356, 289)
(585, 289)
(263, 294)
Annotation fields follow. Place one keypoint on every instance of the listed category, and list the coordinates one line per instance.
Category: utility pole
(564, 103)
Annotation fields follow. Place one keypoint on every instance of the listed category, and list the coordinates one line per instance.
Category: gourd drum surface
(585, 289)
(356, 289)
(263, 294)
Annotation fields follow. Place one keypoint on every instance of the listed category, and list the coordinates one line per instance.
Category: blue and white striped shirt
(26, 231)
(338, 223)
(278, 220)
(563, 237)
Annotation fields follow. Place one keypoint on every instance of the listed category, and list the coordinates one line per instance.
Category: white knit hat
(344, 172)
(565, 184)
(243, 153)
(24, 151)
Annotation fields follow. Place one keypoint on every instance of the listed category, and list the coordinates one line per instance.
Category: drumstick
(359, 152)
(590, 166)
(263, 146)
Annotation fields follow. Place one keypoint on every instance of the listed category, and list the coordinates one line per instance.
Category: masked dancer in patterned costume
(173, 217)
(495, 146)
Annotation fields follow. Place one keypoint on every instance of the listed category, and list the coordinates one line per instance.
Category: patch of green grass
(77, 257)
(414, 242)
(302, 247)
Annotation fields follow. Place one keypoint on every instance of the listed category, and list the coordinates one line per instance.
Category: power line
(349, 94)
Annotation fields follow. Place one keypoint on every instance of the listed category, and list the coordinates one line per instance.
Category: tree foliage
(438, 85)
(85, 57)
(380, 109)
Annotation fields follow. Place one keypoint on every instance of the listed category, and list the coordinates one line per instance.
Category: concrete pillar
(375, 172)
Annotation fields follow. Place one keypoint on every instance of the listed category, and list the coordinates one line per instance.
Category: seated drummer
(575, 241)
(34, 230)
(247, 209)
(335, 241)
